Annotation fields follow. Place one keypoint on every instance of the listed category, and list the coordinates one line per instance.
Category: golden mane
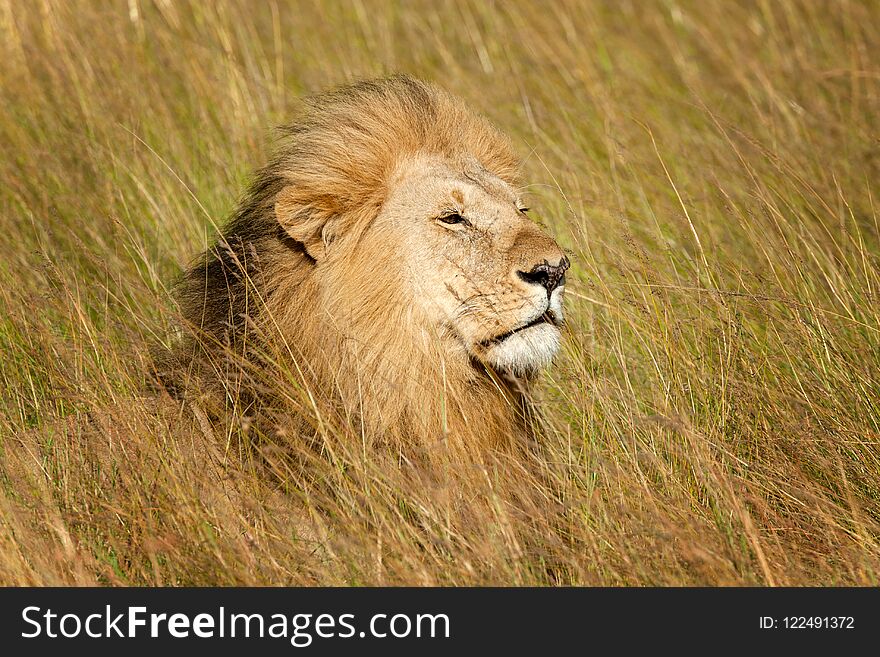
(255, 299)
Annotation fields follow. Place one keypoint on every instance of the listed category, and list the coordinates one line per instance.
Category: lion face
(481, 275)
(382, 258)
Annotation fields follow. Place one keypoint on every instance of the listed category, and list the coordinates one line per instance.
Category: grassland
(711, 168)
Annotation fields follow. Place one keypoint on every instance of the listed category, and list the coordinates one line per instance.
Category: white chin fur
(525, 352)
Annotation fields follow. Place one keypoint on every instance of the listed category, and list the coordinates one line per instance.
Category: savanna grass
(711, 168)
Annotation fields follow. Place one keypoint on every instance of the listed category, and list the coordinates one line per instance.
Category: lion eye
(452, 219)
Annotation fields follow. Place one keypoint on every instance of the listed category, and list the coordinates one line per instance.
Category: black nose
(550, 276)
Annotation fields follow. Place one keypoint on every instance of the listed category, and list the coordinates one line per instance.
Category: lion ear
(308, 224)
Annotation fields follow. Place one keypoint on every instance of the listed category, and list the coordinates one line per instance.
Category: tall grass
(711, 167)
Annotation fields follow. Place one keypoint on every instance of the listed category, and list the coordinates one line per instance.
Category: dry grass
(712, 168)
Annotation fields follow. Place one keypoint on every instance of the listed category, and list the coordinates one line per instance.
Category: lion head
(387, 255)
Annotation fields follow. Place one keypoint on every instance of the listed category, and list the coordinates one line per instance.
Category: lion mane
(253, 301)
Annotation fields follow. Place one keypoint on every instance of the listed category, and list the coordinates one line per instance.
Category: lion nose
(547, 275)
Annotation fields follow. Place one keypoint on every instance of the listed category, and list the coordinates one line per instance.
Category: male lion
(383, 267)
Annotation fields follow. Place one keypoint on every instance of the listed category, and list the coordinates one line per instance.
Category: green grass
(711, 167)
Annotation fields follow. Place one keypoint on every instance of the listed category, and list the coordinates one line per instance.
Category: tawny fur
(305, 282)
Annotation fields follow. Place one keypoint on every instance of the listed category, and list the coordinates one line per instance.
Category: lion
(383, 264)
